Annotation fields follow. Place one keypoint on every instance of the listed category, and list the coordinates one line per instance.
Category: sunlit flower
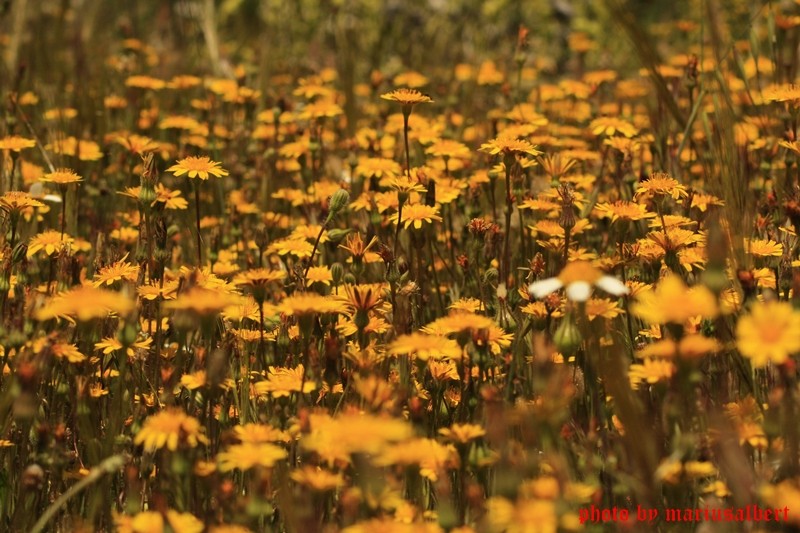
(770, 333)
(49, 242)
(622, 210)
(249, 455)
(416, 214)
(15, 143)
(85, 304)
(651, 371)
(170, 428)
(284, 381)
(764, 248)
(611, 126)
(118, 271)
(198, 167)
(462, 433)
(317, 479)
(673, 302)
(661, 184)
(407, 97)
(426, 347)
(505, 144)
(17, 201)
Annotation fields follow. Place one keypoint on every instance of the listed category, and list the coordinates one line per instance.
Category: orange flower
(198, 167)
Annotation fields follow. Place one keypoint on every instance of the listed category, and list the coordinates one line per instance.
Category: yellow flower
(282, 382)
(18, 201)
(364, 297)
(764, 247)
(448, 148)
(443, 370)
(378, 167)
(622, 210)
(425, 347)
(179, 122)
(85, 303)
(170, 428)
(15, 143)
(602, 307)
(783, 495)
(319, 274)
(83, 149)
(144, 522)
(171, 199)
(661, 184)
(197, 167)
(62, 176)
(119, 271)
(194, 381)
(305, 304)
(650, 371)
(50, 241)
(317, 479)
(249, 455)
(111, 344)
(334, 439)
(259, 277)
(417, 214)
(690, 346)
(184, 522)
(298, 247)
(137, 144)
(320, 109)
(410, 78)
(673, 302)
(508, 144)
(202, 301)
(407, 97)
(770, 333)
(463, 433)
(69, 352)
(355, 245)
(258, 433)
(145, 82)
(612, 125)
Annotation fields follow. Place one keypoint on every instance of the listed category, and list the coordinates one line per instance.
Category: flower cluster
(473, 297)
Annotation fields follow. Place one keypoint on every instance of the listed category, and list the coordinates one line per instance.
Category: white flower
(578, 278)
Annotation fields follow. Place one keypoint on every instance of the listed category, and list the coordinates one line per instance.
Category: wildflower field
(378, 266)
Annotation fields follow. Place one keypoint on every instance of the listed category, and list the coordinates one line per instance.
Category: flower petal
(579, 291)
(612, 285)
(542, 288)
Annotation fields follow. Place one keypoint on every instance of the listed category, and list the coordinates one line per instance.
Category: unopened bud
(336, 235)
(568, 337)
(337, 273)
(339, 200)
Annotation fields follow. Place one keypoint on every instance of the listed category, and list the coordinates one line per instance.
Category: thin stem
(314, 250)
(63, 210)
(197, 215)
(405, 138)
(507, 241)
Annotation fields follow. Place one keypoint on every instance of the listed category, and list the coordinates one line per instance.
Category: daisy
(578, 277)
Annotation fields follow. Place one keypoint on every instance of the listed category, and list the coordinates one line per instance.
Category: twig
(108, 466)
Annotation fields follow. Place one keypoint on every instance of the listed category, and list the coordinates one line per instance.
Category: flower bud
(337, 273)
(339, 200)
(568, 337)
(19, 252)
(336, 235)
